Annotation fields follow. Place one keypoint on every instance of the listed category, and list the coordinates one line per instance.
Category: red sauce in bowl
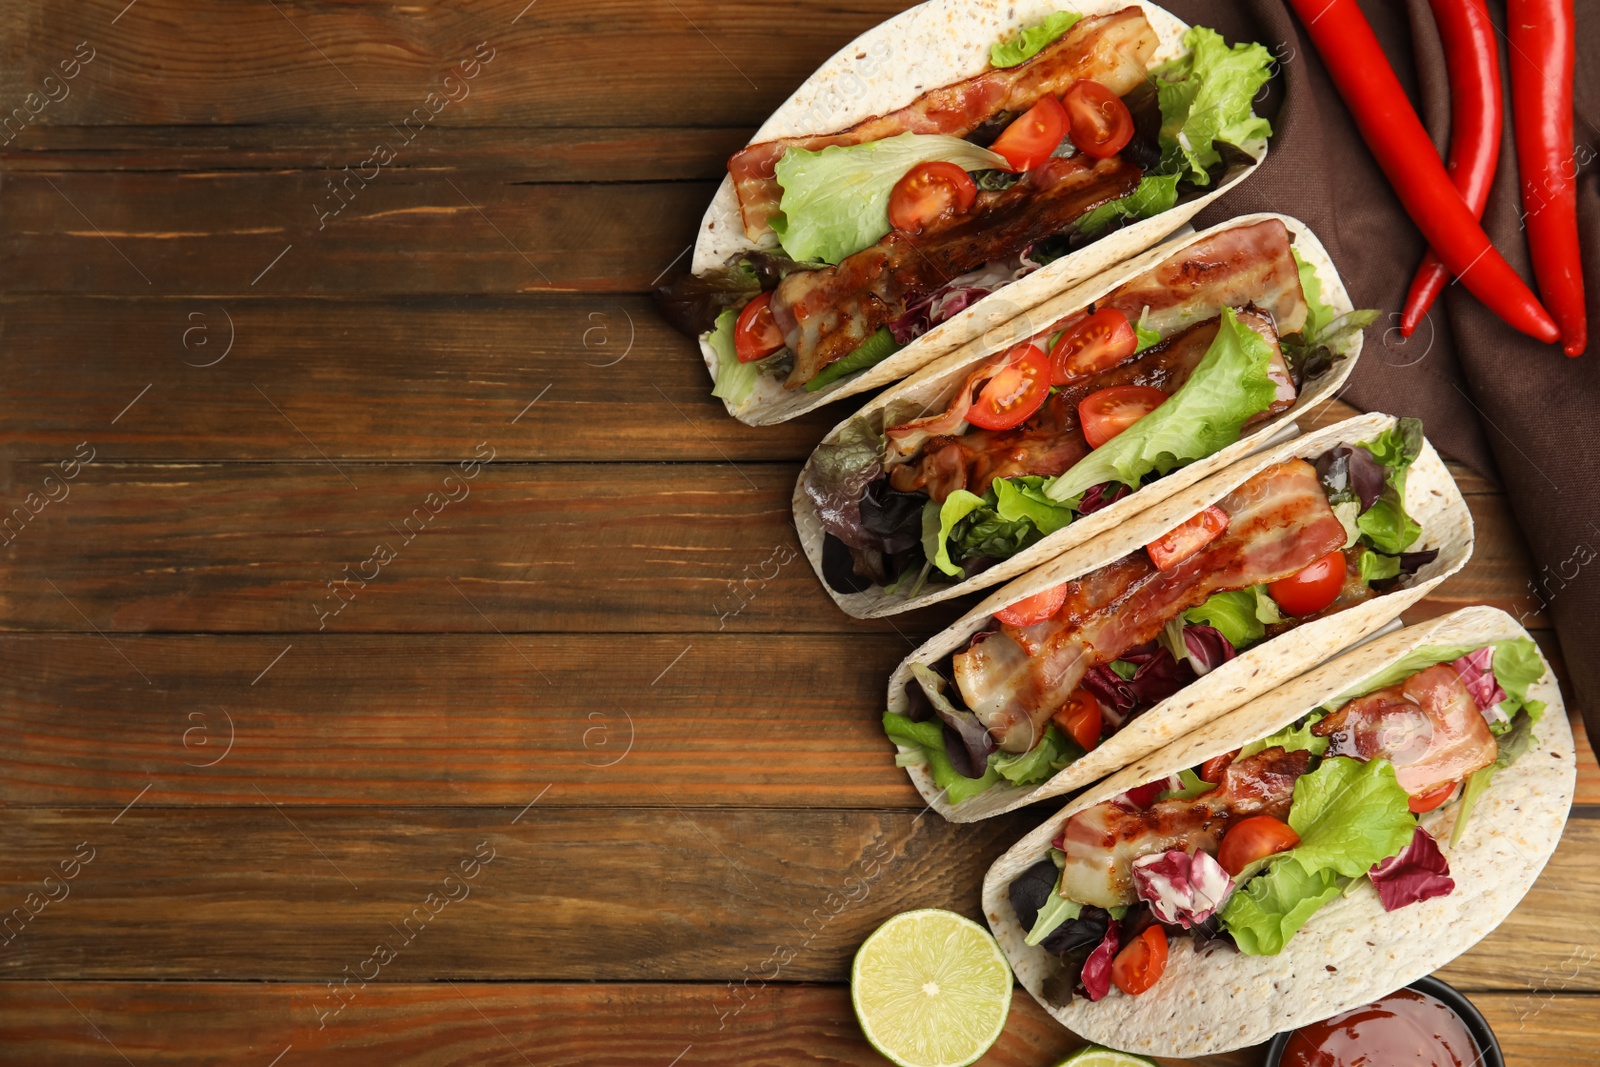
(1404, 1029)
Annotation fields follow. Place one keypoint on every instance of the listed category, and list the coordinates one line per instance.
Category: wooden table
(385, 670)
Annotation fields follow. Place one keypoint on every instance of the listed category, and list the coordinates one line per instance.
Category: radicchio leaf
(1418, 872)
(1097, 968)
(1031, 889)
(1476, 670)
(1159, 675)
(838, 475)
(1101, 496)
(1111, 691)
(1078, 934)
(895, 517)
(1181, 888)
(1207, 648)
(1352, 470)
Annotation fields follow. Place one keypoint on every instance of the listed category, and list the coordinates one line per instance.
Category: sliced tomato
(756, 334)
(1187, 538)
(1107, 412)
(1098, 343)
(929, 192)
(1141, 962)
(1080, 718)
(1426, 802)
(1101, 125)
(1212, 769)
(1014, 392)
(1252, 839)
(1309, 590)
(1031, 139)
(1033, 609)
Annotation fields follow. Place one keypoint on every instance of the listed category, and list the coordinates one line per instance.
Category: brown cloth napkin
(1503, 404)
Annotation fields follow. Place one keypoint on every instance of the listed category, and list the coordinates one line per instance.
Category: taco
(1160, 372)
(1180, 614)
(1210, 895)
(958, 149)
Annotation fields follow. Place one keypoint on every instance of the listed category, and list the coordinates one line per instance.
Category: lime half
(931, 989)
(1096, 1056)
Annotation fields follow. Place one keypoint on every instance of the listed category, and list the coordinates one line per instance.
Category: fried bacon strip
(1015, 678)
(827, 314)
(1113, 50)
(1101, 842)
(1427, 726)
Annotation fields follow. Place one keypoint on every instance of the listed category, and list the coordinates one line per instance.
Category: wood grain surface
(591, 747)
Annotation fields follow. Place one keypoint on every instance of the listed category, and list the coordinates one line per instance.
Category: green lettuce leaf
(836, 201)
(1147, 337)
(1241, 615)
(1516, 666)
(1385, 524)
(928, 736)
(1192, 785)
(1349, 815)
(1272, 907)
(1030, 41)
(873, 351)
(1023, 498)
(1228, 386)
(1290, 739)
(1205, 97)
(1051, 753)
(1154, 194)
(1375, 566)
(734, 380)
(1055, 911)
(1318, 313)
(957, 506)
(1014, 514)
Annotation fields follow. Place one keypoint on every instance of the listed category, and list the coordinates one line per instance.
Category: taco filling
(1168, 368)
(873, 235)
(1244, 849)
(1056, 673)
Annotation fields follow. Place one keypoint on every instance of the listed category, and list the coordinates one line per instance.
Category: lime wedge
(1096, 1056)
(931, 989)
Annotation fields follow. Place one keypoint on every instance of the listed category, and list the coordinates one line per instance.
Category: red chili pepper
(1472, 59)
(1389, 125)
(1541, 36)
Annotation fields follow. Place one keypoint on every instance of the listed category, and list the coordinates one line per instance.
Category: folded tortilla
(933, 44)
(1432, 499)
(1352, 951)
(932, 388)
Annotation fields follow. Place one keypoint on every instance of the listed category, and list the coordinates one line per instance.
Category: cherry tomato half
(1141, 962)
(1309, 590)
(1033, 609)
(1187, 538)
(1213, 769)
(1107, 412)
(1426, 802)
(1098, 343)
(756, 334)
(1031, 139)
(1080, 718)
(1101, 123)
(929, 192)
(1015, 392)
(1252, 839)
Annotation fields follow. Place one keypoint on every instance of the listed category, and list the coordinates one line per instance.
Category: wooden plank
(662, 893)
(460, 719)
(412, 379)
(417, 231)
(545, 547)
(568, 548)
(442, 720)
(557, 63)
(405, 1023)
(530, 154)
(476, 1024)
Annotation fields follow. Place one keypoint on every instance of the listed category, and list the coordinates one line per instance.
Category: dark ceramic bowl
(1477, 1025)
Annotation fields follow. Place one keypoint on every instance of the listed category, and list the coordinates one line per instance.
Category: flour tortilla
(927, 46)
(934, 386)
(1431, 498)
(1352, 951)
